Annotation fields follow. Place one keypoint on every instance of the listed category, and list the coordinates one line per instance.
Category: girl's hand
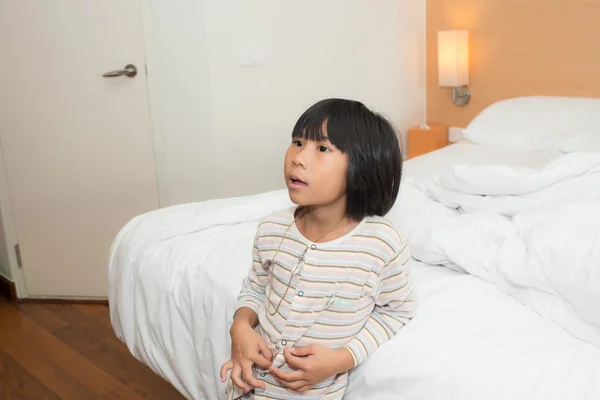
(313, 364)
(247, 349)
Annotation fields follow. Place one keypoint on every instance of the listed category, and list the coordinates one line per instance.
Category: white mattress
(173, 305)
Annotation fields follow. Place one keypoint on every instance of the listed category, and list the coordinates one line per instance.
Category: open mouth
(297, 182)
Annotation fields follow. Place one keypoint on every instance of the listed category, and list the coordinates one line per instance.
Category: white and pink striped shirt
(352, 292)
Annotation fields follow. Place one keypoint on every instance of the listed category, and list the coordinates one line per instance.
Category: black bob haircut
(370, 142)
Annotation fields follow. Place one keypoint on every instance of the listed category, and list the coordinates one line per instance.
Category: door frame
(10, 229)
(154, 103)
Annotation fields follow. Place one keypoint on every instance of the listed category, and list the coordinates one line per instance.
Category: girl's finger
(261, 361)
(249, 377)
(298, 385)
(295, 386)
(264, 350)
(236, 377)
(293, 361)
(287, 376)
(224, 369)
(304, 389)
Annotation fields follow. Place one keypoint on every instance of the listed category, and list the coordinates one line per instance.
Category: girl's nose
(300, 158)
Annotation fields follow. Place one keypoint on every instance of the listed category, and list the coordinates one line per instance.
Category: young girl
(330, 278)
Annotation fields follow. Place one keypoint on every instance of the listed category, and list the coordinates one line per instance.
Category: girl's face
(315, 172)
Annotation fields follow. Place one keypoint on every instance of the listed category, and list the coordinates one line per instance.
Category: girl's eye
(297, 143)
(322, 148)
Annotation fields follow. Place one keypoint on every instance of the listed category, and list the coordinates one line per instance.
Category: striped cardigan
(352, 292)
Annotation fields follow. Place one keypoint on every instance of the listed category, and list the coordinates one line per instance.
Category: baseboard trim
(64, 301)
(8, 289)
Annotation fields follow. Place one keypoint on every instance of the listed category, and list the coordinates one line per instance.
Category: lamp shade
(453, 58)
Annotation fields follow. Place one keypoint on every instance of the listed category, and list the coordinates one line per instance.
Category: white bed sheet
(472, 341)
(468, 341)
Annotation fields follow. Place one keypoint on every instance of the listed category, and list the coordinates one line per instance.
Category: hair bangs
(311, 129)
(326, 120)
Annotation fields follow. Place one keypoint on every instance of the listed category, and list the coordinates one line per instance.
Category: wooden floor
(69, 351)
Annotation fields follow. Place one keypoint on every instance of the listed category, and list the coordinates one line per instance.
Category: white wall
(226, 126)
(183, 87)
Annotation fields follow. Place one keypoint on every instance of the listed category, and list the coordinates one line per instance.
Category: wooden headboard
(517, 48)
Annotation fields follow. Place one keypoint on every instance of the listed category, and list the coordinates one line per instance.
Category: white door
(77, 146)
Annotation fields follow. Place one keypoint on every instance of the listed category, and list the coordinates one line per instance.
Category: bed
(175, 274)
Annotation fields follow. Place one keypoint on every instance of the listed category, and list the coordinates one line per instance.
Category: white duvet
(533, 233)
(175, 275)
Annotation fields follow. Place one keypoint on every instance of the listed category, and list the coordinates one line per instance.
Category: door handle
(129, 71)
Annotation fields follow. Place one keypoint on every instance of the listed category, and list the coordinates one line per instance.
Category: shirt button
(284, 343)
(263, 374)
(301, 293)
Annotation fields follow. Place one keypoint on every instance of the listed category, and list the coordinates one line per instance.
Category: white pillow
(589, 141)
(539, 123)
